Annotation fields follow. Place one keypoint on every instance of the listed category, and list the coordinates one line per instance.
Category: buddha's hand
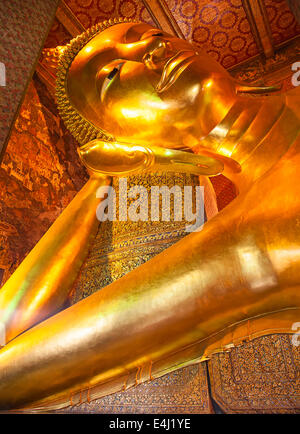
(113, 158)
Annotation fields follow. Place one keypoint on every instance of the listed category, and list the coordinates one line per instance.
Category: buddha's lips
(173, 68)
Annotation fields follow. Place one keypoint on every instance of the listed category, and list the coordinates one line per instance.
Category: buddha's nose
(156, 57)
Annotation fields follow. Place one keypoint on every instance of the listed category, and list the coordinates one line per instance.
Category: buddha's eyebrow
(136, 33)
(133, 35)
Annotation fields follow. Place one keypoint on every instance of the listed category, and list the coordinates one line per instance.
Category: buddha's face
(144, 86)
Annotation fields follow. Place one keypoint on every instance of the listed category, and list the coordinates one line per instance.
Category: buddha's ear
(256, 90)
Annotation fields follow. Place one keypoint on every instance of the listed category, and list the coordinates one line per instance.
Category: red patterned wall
(219, 27)
(90, 12)
(282, 22)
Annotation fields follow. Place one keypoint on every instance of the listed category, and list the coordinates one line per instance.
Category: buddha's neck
(256, 132)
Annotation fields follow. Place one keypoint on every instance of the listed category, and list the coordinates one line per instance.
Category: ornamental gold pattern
(121, 246)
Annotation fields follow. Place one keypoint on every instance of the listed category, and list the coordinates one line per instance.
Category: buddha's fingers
(195, 164)
(227, 273)
(41, 284)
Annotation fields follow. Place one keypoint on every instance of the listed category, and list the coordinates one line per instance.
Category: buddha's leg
(243, 265)
(41, 284)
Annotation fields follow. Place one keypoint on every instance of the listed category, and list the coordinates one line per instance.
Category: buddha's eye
(150, 34)
(109, 78)
(112, 74)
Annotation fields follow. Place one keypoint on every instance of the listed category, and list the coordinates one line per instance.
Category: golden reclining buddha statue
(140, 101)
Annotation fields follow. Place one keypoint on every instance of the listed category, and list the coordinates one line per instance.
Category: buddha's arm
(41, 284)
(244, 264)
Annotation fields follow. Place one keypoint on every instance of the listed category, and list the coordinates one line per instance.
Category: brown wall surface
(39, 175)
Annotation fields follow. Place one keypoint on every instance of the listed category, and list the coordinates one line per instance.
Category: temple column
(24, 26)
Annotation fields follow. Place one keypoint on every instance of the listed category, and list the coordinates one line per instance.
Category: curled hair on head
(83, 130)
